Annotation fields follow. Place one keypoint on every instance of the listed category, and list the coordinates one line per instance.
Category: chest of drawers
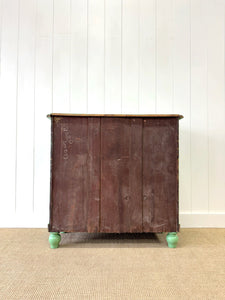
(114, 173)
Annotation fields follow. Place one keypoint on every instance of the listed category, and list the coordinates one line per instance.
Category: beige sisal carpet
(123, 267)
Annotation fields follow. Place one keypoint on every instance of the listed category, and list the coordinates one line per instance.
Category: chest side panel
(160, 174)
(75, 183)
(121, 175)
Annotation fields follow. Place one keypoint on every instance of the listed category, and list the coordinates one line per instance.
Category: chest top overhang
(117, 115)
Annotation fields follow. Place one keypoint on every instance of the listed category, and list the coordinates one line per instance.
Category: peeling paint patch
(57, 119)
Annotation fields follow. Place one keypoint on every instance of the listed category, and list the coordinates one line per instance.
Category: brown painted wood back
(114, 173)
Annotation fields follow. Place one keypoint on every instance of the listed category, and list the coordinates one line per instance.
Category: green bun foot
(172, 239)
(54, 240)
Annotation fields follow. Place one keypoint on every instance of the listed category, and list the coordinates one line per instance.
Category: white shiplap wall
(111, 56)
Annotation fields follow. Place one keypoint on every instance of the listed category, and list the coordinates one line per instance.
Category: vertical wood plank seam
(177, 162)
(86, 205)
(51, 176)
(100, 174)
(34, 117)
(17, 85)
(142, 196)
(129, 170)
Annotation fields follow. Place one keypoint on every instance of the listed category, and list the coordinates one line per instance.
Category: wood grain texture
(114, 174)
(121, 180)
(160, 175)
(117, 115)
(75, 183)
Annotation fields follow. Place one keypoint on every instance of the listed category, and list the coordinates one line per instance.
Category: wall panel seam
(1, 24)
(17, 87)
(34, 117)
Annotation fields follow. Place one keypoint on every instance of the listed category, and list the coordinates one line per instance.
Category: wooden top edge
(117, 115)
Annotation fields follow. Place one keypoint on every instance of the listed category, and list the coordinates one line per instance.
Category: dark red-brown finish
(75, 174)
(114, 173)
(160, 170)
(121, 175)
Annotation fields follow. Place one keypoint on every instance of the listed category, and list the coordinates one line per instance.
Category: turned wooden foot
(172, 239)
(54, 240)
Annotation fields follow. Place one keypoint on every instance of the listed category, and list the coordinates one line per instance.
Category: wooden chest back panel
(121, 175)
(114, 174)
(160, 192)
(75, 174)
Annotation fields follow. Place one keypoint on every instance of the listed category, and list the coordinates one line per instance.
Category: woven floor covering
(112, 266)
